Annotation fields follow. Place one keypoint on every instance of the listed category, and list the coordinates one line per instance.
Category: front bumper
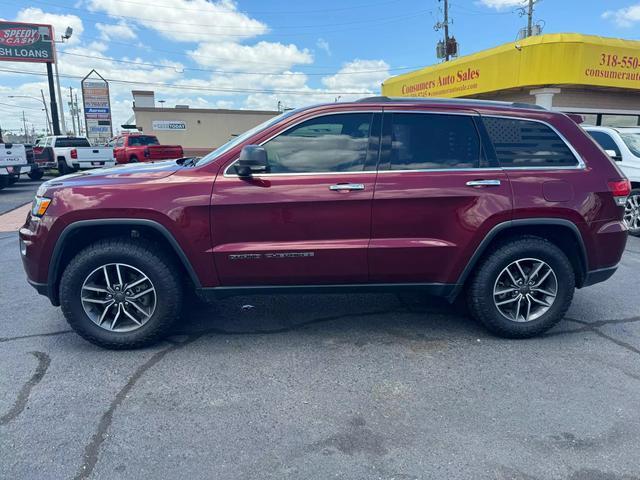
(599, 275)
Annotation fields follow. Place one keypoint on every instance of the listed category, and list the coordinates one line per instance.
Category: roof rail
(450, 101)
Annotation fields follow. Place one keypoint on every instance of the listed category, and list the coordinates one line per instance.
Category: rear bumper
(599, 275)
(90, 165)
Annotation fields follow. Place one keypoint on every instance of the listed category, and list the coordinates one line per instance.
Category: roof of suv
(468, 102)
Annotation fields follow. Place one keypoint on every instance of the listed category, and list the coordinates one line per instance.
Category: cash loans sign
(26, 42)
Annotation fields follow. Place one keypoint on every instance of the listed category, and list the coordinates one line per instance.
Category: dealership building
(596, 77)
(198, 130)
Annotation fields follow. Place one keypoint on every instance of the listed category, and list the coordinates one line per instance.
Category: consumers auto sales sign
(26, 42)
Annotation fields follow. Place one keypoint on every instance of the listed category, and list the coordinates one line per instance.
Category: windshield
(241, 138)
(632, 140)
(141, 140)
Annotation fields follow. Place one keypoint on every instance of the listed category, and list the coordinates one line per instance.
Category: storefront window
(589, 118)
(610, 120)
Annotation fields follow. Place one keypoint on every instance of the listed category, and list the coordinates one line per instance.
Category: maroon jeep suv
(511, 205)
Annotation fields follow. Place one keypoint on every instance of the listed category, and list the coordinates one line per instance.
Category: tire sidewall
(509, 253)
(166, 291)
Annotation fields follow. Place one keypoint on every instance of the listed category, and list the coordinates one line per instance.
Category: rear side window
(424, 141)
(605, 141)
(523, 143)
(72, 142)
(332, 143)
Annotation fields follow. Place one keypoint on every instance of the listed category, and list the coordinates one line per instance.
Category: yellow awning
(553, 59)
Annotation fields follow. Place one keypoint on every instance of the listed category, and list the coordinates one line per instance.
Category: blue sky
(252, 54)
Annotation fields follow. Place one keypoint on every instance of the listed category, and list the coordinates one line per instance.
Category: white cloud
(59, 22)
(358, 76)
(187, 20)
(624, 17)
(500, 4)
(262, 57)
(118, 31)
(323, 45)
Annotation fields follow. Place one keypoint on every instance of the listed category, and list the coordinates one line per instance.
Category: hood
(130, 173)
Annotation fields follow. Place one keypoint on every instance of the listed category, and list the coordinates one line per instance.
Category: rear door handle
(483, 183)
(346, 186)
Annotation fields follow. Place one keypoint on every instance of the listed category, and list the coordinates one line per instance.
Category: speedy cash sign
(26, 42)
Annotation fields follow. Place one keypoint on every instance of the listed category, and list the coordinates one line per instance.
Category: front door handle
(483, 183)
(338, 187)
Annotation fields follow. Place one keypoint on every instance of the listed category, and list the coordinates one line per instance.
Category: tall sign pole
(31, 42)
(96, 105)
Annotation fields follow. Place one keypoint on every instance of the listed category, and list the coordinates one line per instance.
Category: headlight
(40, 205)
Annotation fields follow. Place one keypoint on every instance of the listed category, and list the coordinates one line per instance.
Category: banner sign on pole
(26, 42)
(97, 108)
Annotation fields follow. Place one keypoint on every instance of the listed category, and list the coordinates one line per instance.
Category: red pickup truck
(131, 148)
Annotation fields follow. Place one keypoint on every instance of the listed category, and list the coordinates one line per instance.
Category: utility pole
(26, 132)
(530, 19)
(78, 117)
(446, 30)
(46, 113)
(72, 111)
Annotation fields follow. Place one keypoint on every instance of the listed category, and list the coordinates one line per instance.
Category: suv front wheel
(121, 294)
(522, 288)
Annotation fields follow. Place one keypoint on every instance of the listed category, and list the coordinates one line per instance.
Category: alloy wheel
(525, 290)
(632, 213)
(118, 297)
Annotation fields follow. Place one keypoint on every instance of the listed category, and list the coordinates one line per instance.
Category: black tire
(4, 181)
(145, 256)
(480, 294)
(63, 168)
(635, 231)
(13, 179)
(133, 159)
(36, 174)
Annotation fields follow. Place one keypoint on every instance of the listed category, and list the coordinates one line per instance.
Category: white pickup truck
(13, 161)
(76, 153)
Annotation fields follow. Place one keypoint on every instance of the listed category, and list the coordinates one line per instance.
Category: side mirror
(614, 155)
(253, 159)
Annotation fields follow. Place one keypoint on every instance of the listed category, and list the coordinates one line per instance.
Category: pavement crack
(35, 335)
(92, 449)
(594, 327)
(23, 396)
(626, 345)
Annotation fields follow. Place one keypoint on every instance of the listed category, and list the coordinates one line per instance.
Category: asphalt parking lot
(340, 386)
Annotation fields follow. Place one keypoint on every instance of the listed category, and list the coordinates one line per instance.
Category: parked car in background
(623, 145)
(76, 153)
(134, 147)
(13, 162)
(511, 206)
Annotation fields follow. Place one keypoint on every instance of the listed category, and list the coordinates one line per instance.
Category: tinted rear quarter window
(525, 143)
(425, 141)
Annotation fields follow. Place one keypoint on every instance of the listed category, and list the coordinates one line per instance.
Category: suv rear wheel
(119, 294)
(632, 212)
(523, 288)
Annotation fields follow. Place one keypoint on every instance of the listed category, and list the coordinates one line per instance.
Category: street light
(44, 104)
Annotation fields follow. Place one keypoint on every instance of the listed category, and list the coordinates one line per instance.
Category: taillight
(74, 153)
(620, 189)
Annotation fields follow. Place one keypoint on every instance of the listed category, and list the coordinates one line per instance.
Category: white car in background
(76, 153)
(623, 145)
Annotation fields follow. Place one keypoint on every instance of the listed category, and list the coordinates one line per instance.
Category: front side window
(523, 143)
(120, 142)
(433, 141)
(632, 141)
(332, 143)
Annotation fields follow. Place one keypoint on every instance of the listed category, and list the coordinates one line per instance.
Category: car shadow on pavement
(413, 314)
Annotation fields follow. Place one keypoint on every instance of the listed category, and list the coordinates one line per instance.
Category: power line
(173, 67)
(204, 89)
(226, 27)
